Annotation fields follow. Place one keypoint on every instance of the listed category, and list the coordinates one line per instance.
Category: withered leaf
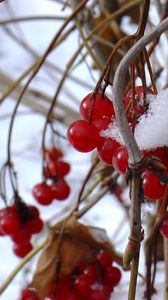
(64, 251)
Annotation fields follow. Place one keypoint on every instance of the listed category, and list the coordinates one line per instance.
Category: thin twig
(135, 157)
(32, 18)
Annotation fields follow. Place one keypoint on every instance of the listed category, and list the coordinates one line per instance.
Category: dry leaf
(62, 254)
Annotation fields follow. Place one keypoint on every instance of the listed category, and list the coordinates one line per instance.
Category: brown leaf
(46, 270)
(63, 253)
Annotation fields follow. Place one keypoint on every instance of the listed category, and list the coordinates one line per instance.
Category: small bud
(130, 253)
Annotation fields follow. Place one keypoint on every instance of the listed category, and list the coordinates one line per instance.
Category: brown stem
(149, 250)
(37, 68)
(135, 157)
(93, 166)
(32, 18)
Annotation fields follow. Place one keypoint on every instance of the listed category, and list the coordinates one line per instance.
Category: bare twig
(32, 18)
(135, 157)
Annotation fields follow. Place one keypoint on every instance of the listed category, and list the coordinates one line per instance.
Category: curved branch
(118, 89)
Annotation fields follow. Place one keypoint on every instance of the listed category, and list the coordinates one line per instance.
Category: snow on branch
(152, 129)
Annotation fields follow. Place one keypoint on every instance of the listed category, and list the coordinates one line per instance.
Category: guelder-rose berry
(106, 150)
(29, 294)
(112, 276)
(73, 295)
(120, 159)
(51, 154)
(91, 270)
(60, 190)
(57, 169)
(35, 225)
(100, 294)
(83, 136)
(42, 193)
(104, 259)
(21, 250)
(83, 284)
(22, 236)
(164, 229)
(102, 123)
(152, 187)
(9, 221)
(158, 153)
(95, 107)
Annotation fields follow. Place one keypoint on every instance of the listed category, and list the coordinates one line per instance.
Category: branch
(118, 89)
(131, 254)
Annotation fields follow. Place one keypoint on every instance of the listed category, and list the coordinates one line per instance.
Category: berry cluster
(98, 113)
(55, 186)
(20, 224)
(95, 281)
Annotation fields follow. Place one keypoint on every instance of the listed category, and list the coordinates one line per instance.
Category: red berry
(153, 188)
(60, 190)
(83, 136)
(90, 270)
(83, 284)
(23, 236)
(136, 108)
(164, 229)
(35, 225)
(93, 108)
(160, 153)
(102, 123)
(49, 297)
(57, 169)
(104, 259)
(42, 193)
(120, 159)
(9, 221)
(21, 250)
(29, 294)
(112, 276)
(34, 211)
(100, 293)
(105, 150)
(52, 154)
(73, 295)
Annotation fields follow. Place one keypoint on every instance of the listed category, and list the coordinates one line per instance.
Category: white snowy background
(26, 139)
